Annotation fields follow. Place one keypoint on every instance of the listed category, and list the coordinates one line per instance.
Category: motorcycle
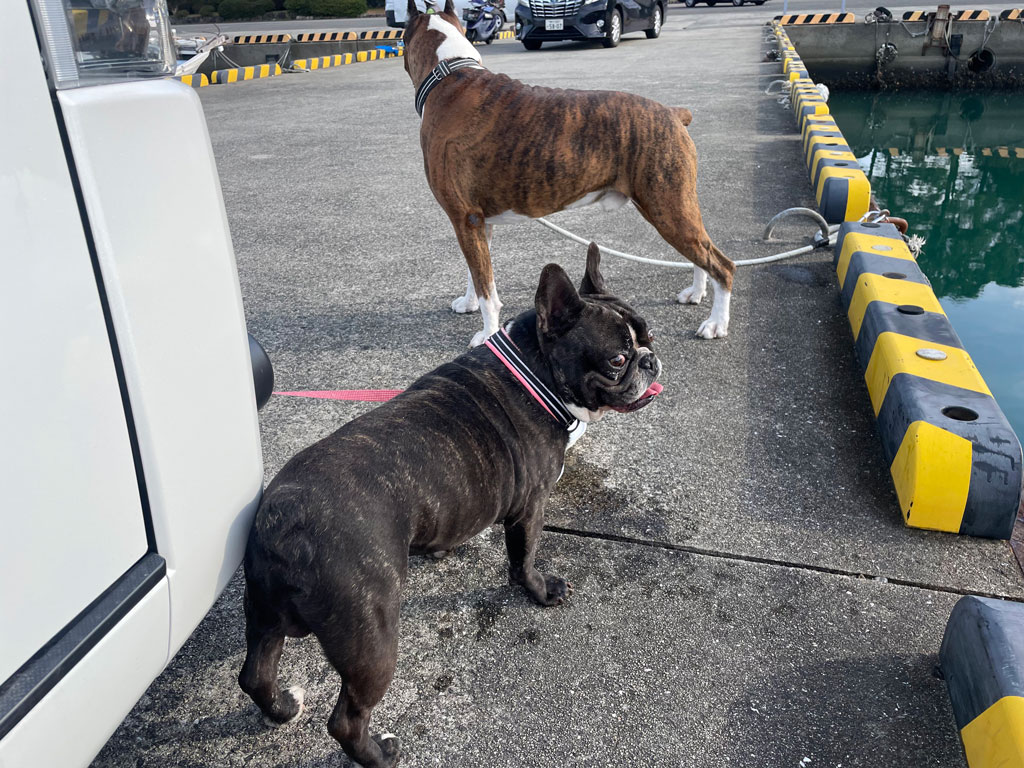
(483, 21)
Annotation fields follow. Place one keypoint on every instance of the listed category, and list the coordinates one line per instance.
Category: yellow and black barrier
(325, 37)
(966, 15)
(196, 81)
(816, 18)
(1007, 153)
(982, 660)
(381, 34)
(840, 186)
(324, 62)
(1012, 14)
(954, 459)
(256, 39)
(239, 74)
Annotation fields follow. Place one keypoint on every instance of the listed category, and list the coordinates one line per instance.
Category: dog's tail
(684, 115)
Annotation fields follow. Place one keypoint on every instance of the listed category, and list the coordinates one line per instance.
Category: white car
(130, 458)
(396, 11)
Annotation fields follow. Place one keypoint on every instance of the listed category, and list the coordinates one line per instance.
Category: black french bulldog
(473, 443)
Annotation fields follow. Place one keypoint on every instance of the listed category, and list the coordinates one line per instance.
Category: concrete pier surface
(745, 591)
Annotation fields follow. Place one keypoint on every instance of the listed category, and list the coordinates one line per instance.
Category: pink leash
(368, 395)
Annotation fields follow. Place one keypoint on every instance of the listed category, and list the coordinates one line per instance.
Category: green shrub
(338, 8)
(298, 7)
(244, 9)
(207, 10)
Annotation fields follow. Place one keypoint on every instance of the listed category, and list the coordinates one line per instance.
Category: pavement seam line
(720, 555)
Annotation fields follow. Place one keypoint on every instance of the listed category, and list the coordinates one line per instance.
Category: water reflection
(952, 164)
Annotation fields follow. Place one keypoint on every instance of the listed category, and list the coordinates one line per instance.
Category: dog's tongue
(648, 395)
(654, 389)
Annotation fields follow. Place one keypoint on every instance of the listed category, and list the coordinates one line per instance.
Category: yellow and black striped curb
(254, 39)
(840, 186)
(325, 37)
(982, 660)
(953, 457)
(238, 74)
(324, 62)
(381, 34)
(816, 18)
(968, 15)
(196, 81)
(1012, 14)
(1016, 153)
(339, 60)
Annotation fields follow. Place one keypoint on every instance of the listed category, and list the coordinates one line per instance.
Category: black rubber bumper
(982, 659)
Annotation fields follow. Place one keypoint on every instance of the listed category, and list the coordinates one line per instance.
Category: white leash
(688, 265)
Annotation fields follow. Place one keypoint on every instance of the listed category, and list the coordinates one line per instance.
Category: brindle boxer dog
(497, 150)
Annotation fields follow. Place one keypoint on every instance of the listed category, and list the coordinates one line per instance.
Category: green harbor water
(952, 164)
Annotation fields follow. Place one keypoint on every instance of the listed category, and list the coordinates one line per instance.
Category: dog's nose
(649, 362)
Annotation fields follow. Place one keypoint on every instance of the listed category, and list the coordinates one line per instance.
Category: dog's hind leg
(475, 240)
(679, 222)
(264, 637)
(366, 666)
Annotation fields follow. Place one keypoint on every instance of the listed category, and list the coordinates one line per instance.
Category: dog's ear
(412, 11)
(449, 7)
(593, 280)
(558, 305)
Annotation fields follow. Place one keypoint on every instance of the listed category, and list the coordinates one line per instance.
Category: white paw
(479, 339)
(464, 305)
(300, 696)
(712, 329)
(691, 296)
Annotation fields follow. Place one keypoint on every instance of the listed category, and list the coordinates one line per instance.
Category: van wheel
(614, 30)
(690, 3)
(531, 45)
(655, 29)
(737, 2)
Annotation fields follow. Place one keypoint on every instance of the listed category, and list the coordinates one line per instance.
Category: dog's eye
(618, 361)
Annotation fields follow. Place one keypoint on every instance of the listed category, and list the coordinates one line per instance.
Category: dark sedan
(540, 21)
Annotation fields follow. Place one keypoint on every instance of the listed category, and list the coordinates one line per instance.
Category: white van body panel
(72, 518)
(168, 265)
(70, 725)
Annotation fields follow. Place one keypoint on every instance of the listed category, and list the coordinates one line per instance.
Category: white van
(396, 11)
(130, 458)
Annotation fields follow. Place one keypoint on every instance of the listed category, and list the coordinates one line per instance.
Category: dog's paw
(465, 304)
(478, 339)
(713, 329)
(691, 296)
(390, 746)
(291, 707)
(558, 590)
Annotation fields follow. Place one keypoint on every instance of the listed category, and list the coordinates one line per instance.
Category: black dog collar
(506, 351)
(439, 73)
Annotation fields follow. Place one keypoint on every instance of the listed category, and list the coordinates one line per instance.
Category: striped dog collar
(505, 350)
(439, 73)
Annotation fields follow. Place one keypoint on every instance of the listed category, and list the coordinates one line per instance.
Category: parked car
(395, 11)
(691, 3)
(540, 21)
(130, 461)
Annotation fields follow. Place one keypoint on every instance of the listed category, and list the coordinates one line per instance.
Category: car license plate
(553, 25)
